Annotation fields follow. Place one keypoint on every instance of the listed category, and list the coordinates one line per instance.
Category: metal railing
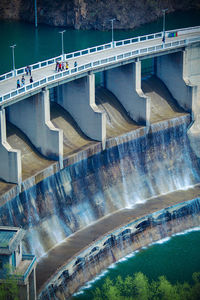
(94, 64)
(24, 276)
(33, 67)
(72, 55)
(89, 66)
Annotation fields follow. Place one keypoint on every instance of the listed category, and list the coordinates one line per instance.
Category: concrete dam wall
(134, 168)
(119, 242)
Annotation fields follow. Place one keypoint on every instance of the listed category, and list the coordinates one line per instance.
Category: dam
(104, 157)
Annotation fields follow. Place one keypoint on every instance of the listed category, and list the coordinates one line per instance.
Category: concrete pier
(10, 159)
(78, 98)
(125, 83)
(32, 116)
(192, 60)
(172, 69)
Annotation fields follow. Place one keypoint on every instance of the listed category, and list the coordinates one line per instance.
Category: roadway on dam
(163, 107)
(8, 85)
(71, 246)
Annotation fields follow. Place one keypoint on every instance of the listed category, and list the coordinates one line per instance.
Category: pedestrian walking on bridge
(29, 70)
(18, 83)
(23, 80)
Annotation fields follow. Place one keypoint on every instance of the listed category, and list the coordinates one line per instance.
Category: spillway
(138, 164)
(74, 140)
(137, 168)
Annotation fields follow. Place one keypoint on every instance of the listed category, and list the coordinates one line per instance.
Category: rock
(92, 14)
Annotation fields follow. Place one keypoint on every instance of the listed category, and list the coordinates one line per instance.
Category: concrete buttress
(171, 70)
(125, 83)
(10, 159)
(78, 98)
(32, 116)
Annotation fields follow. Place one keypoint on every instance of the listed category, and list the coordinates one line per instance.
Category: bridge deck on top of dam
(70, 247)
(145, 48)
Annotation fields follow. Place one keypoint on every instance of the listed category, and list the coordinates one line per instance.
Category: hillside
(92, 14)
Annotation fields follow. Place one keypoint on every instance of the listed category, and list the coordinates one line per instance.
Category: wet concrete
(32, 161)
(118, 122)
(163, 105)
(61, 254)
(73, 138)
(5, 187)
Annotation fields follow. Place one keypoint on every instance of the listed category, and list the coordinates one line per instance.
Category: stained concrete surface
(61, 254)
(73, 138)
(32, 161)
(162, 105)
(118, 122)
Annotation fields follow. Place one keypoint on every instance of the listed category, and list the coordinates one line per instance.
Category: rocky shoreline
(92, 14)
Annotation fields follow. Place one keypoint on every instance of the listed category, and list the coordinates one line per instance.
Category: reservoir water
(177, 258)
(33, 45)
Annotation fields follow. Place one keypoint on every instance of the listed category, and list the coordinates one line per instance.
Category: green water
(33, 45)
(177, 258)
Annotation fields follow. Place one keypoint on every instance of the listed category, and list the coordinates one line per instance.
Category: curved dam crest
(133, 168)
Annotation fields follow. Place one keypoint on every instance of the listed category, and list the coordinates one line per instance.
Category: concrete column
(171, 70)
(24, 292)
(191, 76)
(10, 159)
(192, 61)
(32, 285)
(78, 98)
(125, 83)
(32, 116)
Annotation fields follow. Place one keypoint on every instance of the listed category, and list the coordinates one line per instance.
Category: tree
(8, 287)
(138, 287)
(141, 286)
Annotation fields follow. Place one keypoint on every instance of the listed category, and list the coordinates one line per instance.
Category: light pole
(35, 13)
(35, 5)
(163, 11)
(62, 32)
(13, 56)
(112, 20)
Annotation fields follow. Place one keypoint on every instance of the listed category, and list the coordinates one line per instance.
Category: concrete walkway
(10, 84)
(60, 255)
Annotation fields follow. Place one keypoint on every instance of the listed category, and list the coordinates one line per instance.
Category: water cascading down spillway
(139, 167)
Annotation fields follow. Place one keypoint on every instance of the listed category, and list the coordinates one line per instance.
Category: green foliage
(138, 287)
(8, 286)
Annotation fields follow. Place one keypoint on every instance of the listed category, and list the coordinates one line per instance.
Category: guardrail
(23, 277)
(33, 260)
(89, 66)
(21, 71)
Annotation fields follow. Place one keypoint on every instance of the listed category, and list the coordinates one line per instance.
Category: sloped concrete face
(10, 159)
(171, 69)
(78, 98)
(32, 116)
(125, 83)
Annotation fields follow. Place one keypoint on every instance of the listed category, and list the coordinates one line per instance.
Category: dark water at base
(35, 45)
(177, 258)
